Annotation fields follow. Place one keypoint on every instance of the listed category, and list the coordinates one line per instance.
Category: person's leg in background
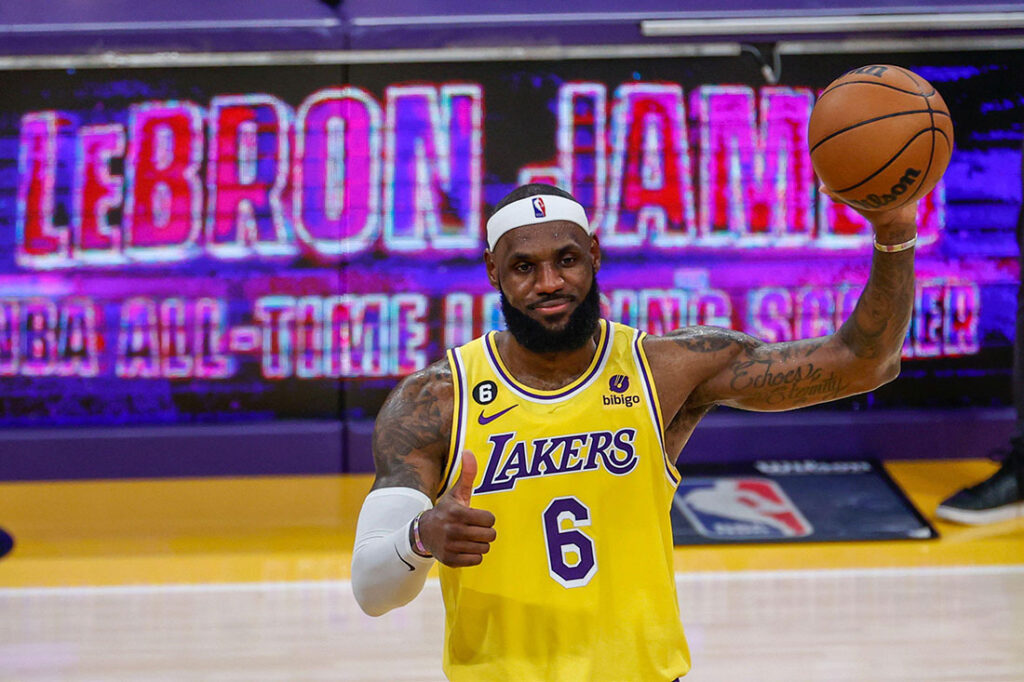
(1001, 496)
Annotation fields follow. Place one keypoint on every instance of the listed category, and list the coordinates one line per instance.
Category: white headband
(540, 208)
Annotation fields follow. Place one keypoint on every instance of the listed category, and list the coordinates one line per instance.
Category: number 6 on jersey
(571, 558)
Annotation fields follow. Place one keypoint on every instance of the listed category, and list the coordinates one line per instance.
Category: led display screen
(233, 243)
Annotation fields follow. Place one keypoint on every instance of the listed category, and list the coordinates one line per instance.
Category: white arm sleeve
(386, 573)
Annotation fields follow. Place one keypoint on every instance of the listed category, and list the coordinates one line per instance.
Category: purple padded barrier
(312, 448)
(253, 449)
(729, 435)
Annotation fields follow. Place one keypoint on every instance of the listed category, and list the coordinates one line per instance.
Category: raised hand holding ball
(880, 137)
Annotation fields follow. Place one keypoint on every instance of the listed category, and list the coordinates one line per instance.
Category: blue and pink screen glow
(176, 248)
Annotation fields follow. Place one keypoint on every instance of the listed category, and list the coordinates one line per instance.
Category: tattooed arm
(410, 448)
(698, 367)
(410, 443)
(412, 432)
(401, 527)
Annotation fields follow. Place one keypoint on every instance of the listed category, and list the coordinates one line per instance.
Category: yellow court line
(302, 528)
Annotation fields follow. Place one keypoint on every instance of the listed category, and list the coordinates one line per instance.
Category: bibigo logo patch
(618, 385)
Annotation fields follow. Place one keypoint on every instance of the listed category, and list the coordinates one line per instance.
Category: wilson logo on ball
(873, 201)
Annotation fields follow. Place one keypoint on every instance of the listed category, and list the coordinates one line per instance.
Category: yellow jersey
(579, 583)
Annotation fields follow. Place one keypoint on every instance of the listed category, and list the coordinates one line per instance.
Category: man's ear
(595, 252)
(492, 269)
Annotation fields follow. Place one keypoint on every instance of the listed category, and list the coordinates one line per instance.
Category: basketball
(880, 136)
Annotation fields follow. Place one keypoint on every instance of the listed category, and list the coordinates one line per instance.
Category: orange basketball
(880, 136)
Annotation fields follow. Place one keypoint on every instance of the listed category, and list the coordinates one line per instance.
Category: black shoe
(1000, 497)
(6, 542)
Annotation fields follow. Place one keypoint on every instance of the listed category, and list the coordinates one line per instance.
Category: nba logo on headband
(538, 208)
(535, 209)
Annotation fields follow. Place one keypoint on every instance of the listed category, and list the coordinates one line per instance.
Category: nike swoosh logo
(403, 560)
(484, 420)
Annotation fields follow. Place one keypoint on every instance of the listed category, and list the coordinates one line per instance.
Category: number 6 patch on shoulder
(485, 392)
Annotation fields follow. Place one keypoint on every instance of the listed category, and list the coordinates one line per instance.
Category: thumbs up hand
(453, 531)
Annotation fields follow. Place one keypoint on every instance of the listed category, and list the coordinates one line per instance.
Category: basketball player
(537, 464)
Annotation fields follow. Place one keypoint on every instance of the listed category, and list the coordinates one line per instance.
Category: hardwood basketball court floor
(246, 579)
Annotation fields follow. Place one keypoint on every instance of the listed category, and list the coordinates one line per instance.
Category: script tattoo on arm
(412, 432)
(784, 376)
(744, 372)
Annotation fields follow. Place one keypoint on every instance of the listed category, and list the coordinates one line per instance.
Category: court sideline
(889, 624)
(246, 579)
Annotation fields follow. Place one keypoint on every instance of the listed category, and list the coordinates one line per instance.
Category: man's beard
(535, 337)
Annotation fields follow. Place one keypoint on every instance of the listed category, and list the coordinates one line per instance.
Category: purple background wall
(67, 26)
(122, 26)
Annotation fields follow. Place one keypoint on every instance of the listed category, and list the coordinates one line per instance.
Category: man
(1000, 497)
(537, 464)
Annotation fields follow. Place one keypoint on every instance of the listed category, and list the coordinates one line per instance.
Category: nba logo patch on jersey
(740, 509)
(538, 208)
